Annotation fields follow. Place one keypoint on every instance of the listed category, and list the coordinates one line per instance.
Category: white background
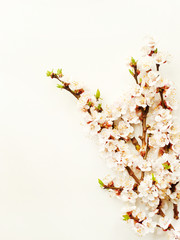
(48, 168)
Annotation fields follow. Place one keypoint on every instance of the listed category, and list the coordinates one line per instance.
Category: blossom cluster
(140, 140)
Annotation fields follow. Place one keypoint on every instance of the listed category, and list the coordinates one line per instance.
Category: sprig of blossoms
(140, 141)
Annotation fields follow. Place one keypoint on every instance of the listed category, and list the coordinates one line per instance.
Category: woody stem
(66, 86)
(135, 73)
(132, 174)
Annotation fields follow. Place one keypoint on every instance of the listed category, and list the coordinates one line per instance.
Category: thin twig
(135, 73)
(176, 212)
(135, 143)
(147, 148)
(162, 99)
(144, 127)
(67, 88)
(157, 66)
(132, 174)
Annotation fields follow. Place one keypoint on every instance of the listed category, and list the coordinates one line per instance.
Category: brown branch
(110, 185)
(162, 98)
(75, 93)
(143, 137)
(144, 127)
(161, 91)
(113, 188)
(173, 187)
(132, 174)
(144, 131)
(135, 73)
(142, 176)
(161, 213)
(147, 148)
(170, 227)
(136, 219)
(176, 212)
(135, 143)
(157, 66)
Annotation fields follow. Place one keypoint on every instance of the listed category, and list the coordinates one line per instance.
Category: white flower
(161, 82)
(152, 78)
(150, 45)
(94, 127)
(151, 41)
(170, 98)
(176, 147)
(150, 225)
(163, 115)
(84, 100)
(128, 195)
(111, 145)
(161, 57)
(74, 85)
(136, 91)
(158, 139)
(146, 64)
(131, 117)
(145, 166)
(124, 128)
(146, 50)
(140, 229)
(174, 235)
(147, 191)
(164, 222)
(141, 215)
(141, 101)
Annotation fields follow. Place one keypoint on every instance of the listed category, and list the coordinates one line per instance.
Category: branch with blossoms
(145, 170)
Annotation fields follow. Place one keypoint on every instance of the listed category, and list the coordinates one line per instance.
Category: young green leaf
(59, 71)
(155, 51)
(60, 86)
(90, 104)
(131, 72)
(97, 94)
(100, 183)
(153, 178)
(99, 106)
(166, 166)
(133, 61)
(126, 217)
(48, 73)
(140, 80)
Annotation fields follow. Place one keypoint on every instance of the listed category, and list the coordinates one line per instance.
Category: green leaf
(166, 166)
(100, 183)
(131, 72)
(99, 106)
(153, 178)
(140, 80)
(97, 94)
(133, 61)
(155, 51)
(60, 86)
(48, 73)
(90, 104)
(126, 217)
(59, 71)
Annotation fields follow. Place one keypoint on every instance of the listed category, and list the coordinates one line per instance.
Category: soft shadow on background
(48, 168)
